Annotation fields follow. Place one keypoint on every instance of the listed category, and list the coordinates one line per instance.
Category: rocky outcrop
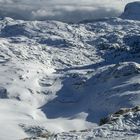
(132, 11)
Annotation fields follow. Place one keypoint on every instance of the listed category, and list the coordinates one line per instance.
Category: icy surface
(57, 77)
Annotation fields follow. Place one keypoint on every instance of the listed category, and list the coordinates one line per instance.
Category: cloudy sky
(63, 10)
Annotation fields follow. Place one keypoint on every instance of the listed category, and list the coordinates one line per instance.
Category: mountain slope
(72, 75)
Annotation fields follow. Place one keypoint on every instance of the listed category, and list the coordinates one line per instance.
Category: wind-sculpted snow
(56, 77)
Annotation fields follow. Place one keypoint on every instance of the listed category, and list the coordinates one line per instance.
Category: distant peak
(132, 11)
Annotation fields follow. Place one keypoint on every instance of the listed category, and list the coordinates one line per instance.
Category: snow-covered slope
(123, 125)
(57, 77)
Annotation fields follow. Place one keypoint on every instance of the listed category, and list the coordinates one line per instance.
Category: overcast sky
(63, 10)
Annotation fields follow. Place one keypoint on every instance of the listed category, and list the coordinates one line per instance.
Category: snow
(62, 79)
(118, 128)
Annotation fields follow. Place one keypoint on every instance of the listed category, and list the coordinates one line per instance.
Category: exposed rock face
(122, 112)
(132, 11)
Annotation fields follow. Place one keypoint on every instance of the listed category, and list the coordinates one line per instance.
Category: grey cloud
(74, 14)
(63, 10)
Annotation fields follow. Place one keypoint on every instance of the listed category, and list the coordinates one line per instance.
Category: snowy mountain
(61, 81)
